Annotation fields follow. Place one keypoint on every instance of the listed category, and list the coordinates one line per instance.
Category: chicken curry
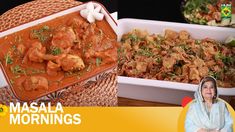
(55, 54)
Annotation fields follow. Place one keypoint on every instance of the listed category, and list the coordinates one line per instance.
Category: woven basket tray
(101, 91)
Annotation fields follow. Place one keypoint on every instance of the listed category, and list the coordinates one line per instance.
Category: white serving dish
(107, 16)
(166, 91)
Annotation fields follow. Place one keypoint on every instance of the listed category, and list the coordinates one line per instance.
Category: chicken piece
(216, 68)
(169, 42)
(184, 35)
(210, 49)
(171, 34)
(72, 62)
(141, 66)
(203, 71)
(64, 38)
(163, 52)
(139, 33)
(106, 44)
(77, 22)
(209, 52)
(178, 49)
(165, 47)
(185, 69)
(107, 56)
(194, 74)
(94, 40)
(210, 63)
(36, 52)
(128, 47)
(35, 83)
(52, 68)
(168, 62)
(90, 30)
(90, 53)
(198, 62)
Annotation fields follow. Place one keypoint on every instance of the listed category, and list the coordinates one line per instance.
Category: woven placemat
(99, 92)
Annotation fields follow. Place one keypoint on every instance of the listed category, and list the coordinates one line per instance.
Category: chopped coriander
(218, 56)
(158, 46)
(17, 70)
(8, 59)
(55, 51)
(133, 37)
(158, 59)
(120, 50)
(184, 47)
(216, 75)
(225, 59)
(145, 52)
(45, 28)
(41, 34)
(98, 61)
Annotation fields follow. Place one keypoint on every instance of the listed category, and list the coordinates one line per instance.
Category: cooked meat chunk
(35, 83)
(64, 38)
(141, 66)
(21, 48)
(72, 62)
(36, 52)
(184, 35)
(52, 68)
(194, 74)
(171, 34)
(168, 62)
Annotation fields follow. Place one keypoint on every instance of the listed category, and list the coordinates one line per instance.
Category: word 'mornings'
(41, 114)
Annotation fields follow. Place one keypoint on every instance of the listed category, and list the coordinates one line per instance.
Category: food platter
(33, 50)
(161, 90)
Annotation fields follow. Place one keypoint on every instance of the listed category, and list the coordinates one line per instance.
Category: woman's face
(208, 90)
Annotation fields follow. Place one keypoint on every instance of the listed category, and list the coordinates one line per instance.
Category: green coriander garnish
(8, 59)
(55, 51)
(98, 61)
(41, 34)
(17, 70)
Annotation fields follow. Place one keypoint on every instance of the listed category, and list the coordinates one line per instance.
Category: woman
(207, 113)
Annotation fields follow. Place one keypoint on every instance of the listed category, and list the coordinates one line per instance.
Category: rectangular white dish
(166, 91)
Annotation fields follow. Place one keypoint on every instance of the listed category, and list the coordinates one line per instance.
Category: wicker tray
(101, 91)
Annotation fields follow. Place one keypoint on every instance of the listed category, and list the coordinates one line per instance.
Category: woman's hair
(210, 79)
